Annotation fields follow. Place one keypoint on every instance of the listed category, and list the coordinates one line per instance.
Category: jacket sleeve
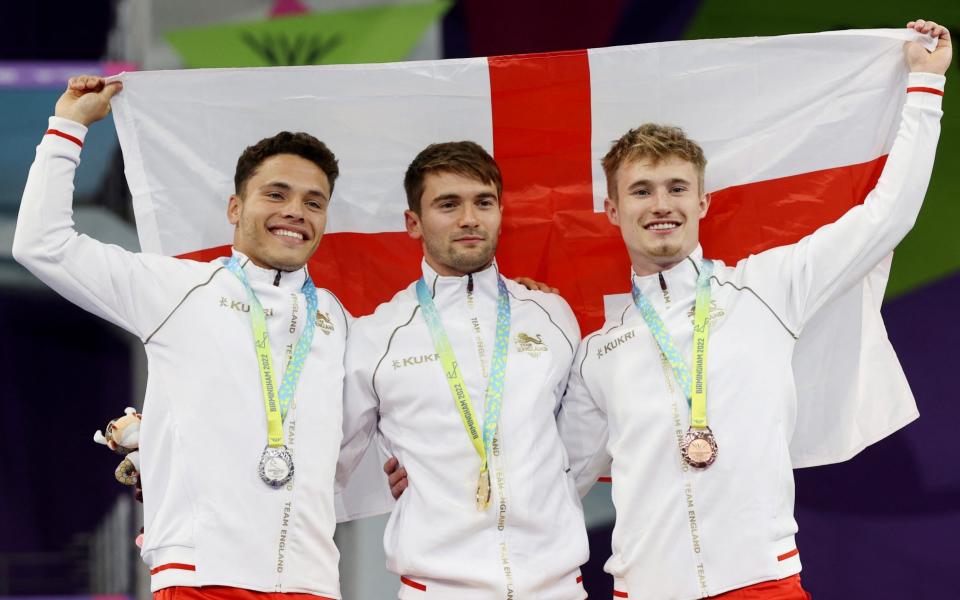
(582, 423)
(128, 289)
(361, 407)
(562, 316)
(826, 263)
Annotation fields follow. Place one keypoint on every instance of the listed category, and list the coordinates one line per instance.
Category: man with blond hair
(704, 491)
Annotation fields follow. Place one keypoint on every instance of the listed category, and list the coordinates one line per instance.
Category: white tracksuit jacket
(686, 533)
(209, 520)
(532, 540)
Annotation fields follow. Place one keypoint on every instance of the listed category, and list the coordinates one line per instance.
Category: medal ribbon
(277, 401)
(695, 388)
(482, 442)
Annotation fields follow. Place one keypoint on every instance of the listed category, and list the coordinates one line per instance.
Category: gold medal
(699, 448)
(483, 491)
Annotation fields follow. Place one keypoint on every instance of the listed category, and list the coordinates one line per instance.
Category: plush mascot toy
(123, 437)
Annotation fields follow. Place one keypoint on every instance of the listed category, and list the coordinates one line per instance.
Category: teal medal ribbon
(699, 447)
(276, 463)
(482, 442)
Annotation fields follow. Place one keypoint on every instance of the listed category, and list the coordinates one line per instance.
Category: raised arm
(836, 256)
(128, 289)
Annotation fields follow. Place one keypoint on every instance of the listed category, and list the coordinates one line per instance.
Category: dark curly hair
(463, 158)
(300, 144)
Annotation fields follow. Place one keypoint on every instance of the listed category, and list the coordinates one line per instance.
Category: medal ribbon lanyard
(695, 388)
(277, 401)
(482, 443)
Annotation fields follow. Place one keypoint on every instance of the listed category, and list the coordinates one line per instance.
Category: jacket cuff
(65, 133)
(925, 90)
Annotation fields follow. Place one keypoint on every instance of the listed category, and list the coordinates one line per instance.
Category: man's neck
(644, 268)
(448, 271)
(651, 265)
(257, 262)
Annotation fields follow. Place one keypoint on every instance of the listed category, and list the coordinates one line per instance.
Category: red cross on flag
(795, 128)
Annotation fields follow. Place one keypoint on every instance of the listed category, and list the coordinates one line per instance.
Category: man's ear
(412, 221)
(233, 209)
(610, 208)
(704, 205)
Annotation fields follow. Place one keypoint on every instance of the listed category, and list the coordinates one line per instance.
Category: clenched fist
(87, 99)
(921, 61)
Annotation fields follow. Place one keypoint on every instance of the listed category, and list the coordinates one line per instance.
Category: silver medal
(276, 466)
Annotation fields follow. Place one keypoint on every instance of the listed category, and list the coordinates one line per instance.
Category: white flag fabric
(768, 112)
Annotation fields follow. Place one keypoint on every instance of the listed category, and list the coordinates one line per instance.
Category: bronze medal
(699, 448)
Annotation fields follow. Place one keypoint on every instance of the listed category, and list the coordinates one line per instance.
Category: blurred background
(884, 525)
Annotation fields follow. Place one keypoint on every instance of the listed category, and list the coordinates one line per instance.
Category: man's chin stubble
(285, 266)
(665, 250)
(470, 264)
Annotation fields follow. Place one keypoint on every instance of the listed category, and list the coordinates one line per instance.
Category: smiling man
(663, 190)
(270, 171)
(463, 373)
(241, 424)
(690, 389)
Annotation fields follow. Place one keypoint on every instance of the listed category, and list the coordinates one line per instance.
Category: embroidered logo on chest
(716, 313)
(532, 345)
(240, 306)
(615, 343)
(324, 323)
(415, 360)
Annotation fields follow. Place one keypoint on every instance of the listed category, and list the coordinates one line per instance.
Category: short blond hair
(654, 142)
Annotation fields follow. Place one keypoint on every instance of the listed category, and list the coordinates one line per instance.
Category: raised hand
(919, 59)
(87, 99)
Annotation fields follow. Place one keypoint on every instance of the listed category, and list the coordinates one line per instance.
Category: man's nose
(468, 216)
(293, 208)
(661, 201)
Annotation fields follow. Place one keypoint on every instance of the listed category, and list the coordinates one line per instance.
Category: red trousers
(222, 592)
(788, 588)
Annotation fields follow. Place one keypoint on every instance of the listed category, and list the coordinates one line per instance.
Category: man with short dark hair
(704, 490)
(241, 424)
(462, 373)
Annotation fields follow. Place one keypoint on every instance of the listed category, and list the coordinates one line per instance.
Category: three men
(242, 412)
(737, 518)
(695, 399)
(463, 372)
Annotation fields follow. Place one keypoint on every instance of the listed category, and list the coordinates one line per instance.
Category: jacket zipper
(663, 288)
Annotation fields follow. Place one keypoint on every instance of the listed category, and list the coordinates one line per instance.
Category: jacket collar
(259, 277)
(453, 288)
(679, 280)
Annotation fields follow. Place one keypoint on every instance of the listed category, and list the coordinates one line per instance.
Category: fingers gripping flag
(795, 128)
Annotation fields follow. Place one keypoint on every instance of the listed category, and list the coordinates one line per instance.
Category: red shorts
(222, 592)
(788, 588)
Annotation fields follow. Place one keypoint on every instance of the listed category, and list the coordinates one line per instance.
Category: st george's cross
(795, 129)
